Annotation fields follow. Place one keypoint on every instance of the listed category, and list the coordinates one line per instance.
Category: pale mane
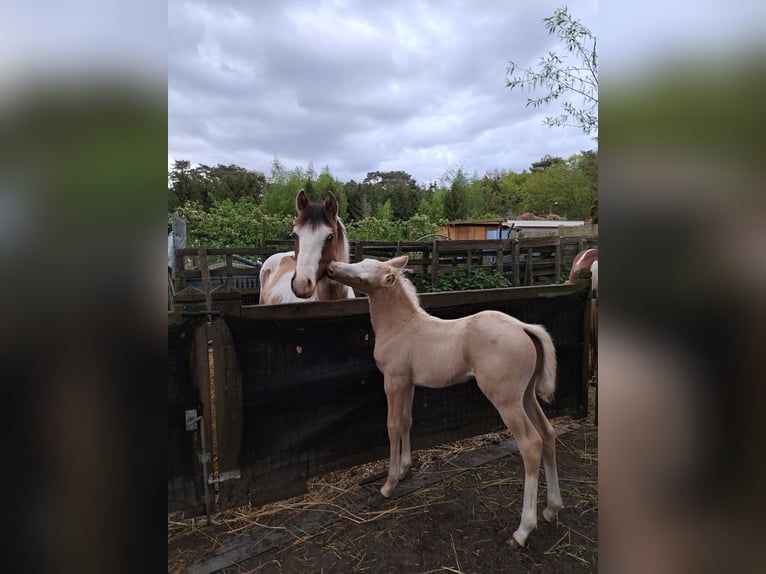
(408, 288)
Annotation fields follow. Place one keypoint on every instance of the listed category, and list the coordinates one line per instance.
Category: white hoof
(550, 515)
(517, 541)
(386, 490)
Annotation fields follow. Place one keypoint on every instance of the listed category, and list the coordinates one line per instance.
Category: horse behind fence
(301, 275)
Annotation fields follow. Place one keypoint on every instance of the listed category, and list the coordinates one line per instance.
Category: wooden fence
(535, 260)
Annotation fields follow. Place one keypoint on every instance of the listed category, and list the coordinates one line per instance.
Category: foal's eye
(293, 236)
(330, 237)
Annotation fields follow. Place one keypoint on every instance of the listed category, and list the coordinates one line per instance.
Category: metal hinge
(224, 476)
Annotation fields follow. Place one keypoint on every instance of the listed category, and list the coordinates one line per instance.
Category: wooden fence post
(515, 262)
(435, 263)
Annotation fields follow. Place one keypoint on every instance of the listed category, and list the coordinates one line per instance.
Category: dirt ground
(458, 524)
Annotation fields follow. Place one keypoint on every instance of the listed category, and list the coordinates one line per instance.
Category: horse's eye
(330, 237)
(293, 236)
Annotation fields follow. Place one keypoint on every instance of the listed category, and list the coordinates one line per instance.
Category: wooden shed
(474, 229)
(478, 229)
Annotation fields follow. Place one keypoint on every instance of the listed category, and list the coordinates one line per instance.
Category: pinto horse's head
(319, 239)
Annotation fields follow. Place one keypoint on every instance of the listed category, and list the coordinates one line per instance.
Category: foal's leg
(548, 434)
(396, 391)
(530, 446)
(406, 426)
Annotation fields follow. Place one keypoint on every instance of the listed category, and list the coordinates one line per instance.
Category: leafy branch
(559, 79)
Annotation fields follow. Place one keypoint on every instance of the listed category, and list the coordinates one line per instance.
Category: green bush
(459, 280)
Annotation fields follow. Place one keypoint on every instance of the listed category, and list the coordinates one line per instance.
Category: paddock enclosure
(288, 392)
(531, 260)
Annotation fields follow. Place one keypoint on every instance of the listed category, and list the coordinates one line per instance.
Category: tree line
(230, 205)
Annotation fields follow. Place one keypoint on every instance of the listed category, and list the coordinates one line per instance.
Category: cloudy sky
(361, 86)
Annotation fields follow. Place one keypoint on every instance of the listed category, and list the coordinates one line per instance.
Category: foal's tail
(545, 369)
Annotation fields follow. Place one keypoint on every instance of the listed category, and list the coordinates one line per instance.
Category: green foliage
(559, 187)
(228, 205)
(283, 187)
(560, 79)
(232, 224)
(375, 229)
(459, 280)
(204, 184)
(383, 211)
(420, 225)
(379, 187)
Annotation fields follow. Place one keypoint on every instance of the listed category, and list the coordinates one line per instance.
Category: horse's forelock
(314, 215)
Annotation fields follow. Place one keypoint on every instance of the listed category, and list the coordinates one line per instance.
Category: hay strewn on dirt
(457, 524)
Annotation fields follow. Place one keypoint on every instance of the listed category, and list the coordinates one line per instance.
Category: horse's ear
(399, 261)
(331, 204)
(302, 201)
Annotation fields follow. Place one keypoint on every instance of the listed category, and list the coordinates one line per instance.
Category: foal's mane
(407, 286)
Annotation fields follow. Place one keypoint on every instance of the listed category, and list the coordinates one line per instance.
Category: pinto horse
(588, 259)
(509, 359)
(301, 274)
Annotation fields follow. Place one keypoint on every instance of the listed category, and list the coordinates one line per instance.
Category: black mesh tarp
(313, 399)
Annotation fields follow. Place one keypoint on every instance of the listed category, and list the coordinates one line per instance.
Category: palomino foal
(510, 360)
(301, 275)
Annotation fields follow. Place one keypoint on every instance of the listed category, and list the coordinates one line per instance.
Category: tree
(398, 187)
(562, 188)
(546, 162)
(560, 80)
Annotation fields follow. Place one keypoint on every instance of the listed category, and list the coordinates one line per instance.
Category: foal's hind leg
(548, 434)
(530, 446)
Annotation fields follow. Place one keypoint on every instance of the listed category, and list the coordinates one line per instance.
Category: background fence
(534, 260)
(295, 392)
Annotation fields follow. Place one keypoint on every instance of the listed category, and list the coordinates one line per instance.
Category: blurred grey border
(83, 145)
(83, 167)
(683, 264)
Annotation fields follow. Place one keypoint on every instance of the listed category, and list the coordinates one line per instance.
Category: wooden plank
(360, 305)
(220, 272)
(202, 254)
(191, 251)
(435, 263)
(228, 397)
(199, 371)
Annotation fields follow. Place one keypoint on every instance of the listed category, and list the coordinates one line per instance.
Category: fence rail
(533, 260)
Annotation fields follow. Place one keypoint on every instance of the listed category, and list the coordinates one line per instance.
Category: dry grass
(338, 493)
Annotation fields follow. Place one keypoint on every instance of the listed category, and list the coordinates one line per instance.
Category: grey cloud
(358, 86)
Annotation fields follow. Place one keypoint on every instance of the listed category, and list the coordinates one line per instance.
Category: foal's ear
(302, 201)
(400, 261)
(331, 204)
